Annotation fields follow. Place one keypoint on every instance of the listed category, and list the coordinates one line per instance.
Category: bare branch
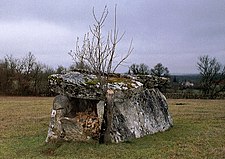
(125, 57)
(97, 51)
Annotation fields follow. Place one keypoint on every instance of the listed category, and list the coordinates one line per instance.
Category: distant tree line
(142, 69)
(208, 84)
(27, 76)
(24, 76)
(159, 70)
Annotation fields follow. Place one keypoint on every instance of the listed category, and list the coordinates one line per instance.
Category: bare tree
(212, 76)
(13, 70)
(98, 52)
(29, 63)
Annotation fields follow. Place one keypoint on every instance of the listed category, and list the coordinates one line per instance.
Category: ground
(198, 132)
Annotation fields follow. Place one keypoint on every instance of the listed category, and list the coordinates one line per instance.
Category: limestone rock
(144, 112)
(138, 108)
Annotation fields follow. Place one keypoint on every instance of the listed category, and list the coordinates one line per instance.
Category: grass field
(198, 132)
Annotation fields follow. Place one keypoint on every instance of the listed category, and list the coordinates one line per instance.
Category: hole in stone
(88, 114)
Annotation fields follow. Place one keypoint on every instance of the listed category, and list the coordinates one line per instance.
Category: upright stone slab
(143, 112)
(138, 108)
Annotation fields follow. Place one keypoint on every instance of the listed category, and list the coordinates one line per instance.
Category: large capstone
(138, 108)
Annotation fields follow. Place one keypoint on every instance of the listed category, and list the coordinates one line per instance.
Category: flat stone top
(86, 85)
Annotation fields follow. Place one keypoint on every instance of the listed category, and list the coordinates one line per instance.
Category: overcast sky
(172, 32)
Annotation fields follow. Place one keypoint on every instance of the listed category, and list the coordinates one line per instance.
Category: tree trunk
(107, 118)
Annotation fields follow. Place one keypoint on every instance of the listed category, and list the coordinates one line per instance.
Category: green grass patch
(198, 132)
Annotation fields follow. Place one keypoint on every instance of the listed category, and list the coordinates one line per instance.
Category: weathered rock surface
(144, 112)
(138, 108)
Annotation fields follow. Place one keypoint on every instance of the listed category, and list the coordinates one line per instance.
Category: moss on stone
(92, 82)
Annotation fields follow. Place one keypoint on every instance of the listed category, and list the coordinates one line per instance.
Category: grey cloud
(174, 32)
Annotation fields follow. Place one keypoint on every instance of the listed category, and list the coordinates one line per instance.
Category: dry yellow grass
(19, 114)
(198, 132)
(205, 121)
(22, 119)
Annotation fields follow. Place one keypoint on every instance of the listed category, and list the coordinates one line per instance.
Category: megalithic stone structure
(137, 107)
